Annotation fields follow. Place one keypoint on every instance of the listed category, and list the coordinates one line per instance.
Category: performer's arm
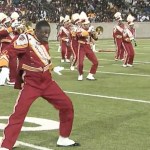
(5, 32)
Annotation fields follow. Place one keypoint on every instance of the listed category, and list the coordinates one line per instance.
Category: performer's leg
(126, 54)
(68, 54)
(117, 49)
(74, 48)
(81, 55)
(121, 55)
(55, 96)
(63, 51)
(131, 57)
(26, 97)
(92, 57)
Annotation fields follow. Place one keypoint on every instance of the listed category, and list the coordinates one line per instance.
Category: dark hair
(41, 24)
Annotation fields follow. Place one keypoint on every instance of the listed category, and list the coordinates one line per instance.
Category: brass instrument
(99, 30)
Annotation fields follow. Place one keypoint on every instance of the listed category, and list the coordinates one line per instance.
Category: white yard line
(33, 146)
(146, 62)
(29, 145)
(118, 73)
(109, 97)
(142, 53)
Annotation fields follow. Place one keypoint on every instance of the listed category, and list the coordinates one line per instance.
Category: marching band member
(117, 35)
(84, 48)
(128, 37)
(58, 27)
(130, 22)
(10, 31)
(64, 36)
(91, 28)
(74, 40)
(6, 37)
(35, 80)
(13, 58)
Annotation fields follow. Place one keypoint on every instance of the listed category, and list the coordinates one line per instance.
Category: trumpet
(99, 30)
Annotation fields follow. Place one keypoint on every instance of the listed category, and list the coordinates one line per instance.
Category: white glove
(15, 24)
(58, 69)
(4, 75)
(93, 48)
(91, 29)
(67, 40)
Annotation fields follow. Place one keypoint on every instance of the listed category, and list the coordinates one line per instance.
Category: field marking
(144, 62)
(109, 97)
(112, 50)
(29, 145)
(120, 73)
(117, 73)
(41, 124)
(33, 146)
(142, 53)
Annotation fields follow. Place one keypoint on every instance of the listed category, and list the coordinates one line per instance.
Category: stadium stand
(97, 10)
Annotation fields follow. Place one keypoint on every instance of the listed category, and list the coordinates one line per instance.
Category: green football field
(111, 113)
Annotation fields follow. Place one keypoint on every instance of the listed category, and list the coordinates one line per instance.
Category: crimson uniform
(133, 31)
(84, 49)
(117, 35)
(7, 36)
(74, 44)
(128, 47)
(35, 81)
(64, 35)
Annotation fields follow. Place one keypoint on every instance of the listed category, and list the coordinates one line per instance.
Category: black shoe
(75, 144)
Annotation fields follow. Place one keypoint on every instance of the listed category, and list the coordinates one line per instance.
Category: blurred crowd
(97, 10)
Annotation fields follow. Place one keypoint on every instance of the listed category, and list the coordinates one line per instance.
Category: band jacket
(64, 34)
(6, 35)
(83, 36)
(117, 31)
(33, 57)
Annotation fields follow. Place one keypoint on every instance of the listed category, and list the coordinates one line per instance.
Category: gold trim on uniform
(39, 50)
(34, 69)
(20, 46)
(6, 40)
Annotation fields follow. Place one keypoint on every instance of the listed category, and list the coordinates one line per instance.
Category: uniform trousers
(85, 50)
(65, 50)
(119, 49)
(38, 85)
(129, 53)
(74, 47)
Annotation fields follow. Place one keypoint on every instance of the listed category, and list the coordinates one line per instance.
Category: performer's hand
(4, 75)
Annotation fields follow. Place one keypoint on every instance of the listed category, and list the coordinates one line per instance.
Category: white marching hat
(117, 16)
(130, 19)
(83, 17)
(67, 19)
(3, 17)
(75, 17)
(14, 15)
(61, 19)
